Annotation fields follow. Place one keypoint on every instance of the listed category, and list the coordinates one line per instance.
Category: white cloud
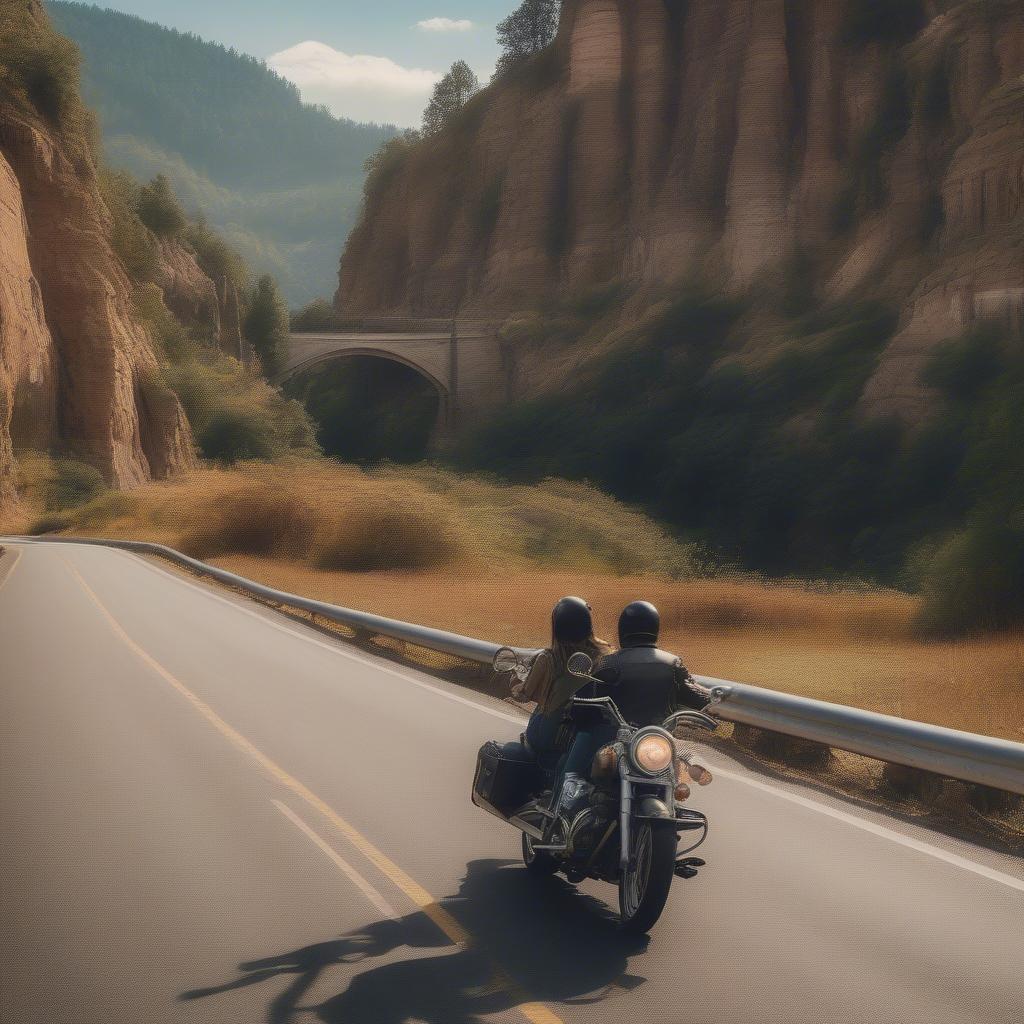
(359, 86)
(445, 25)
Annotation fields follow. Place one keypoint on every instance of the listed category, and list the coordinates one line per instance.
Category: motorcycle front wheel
(538, 862)
(644, 886)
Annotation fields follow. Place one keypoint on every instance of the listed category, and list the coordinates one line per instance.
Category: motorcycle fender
(654, 811)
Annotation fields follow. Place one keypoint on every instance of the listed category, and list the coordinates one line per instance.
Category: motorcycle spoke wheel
(644, 886)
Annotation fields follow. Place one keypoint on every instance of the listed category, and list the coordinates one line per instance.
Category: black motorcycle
(623, 824)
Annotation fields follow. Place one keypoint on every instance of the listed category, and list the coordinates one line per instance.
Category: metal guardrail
(969, 757)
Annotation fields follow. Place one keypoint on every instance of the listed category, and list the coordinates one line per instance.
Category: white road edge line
(863, 824)
(880, 830)
(335, 648)
(372, 894)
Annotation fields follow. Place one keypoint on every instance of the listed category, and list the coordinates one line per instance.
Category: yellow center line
(535, 1012)
(10, 572)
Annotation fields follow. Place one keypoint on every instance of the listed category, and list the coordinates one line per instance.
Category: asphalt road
(212, 813)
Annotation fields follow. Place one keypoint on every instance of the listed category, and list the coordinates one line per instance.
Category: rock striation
(74, 359)
(656, 136)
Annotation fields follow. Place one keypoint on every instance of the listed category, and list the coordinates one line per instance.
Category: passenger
(646, 683)
(549, 682)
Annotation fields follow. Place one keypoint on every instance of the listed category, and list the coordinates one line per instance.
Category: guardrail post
(789, 750)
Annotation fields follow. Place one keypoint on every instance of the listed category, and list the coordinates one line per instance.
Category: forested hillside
(280, 178)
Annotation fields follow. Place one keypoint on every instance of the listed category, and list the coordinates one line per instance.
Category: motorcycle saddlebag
(505, 777)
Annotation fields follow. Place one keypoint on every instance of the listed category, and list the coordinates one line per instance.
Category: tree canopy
(451, 94)
(530, 28)
(266, 325)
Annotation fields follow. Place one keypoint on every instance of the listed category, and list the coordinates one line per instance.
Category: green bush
(975, 581)
(218, 259)
(46, 67)
(382, 166)
(51, 522)
(131, 239)
(159, 209)
(172, 340)
(236, 435)
(74, 483)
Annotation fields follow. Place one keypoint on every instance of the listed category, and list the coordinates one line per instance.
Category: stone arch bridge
(462, 359)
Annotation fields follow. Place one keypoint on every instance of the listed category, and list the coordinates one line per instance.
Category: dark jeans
(542, 732)
(585, 745)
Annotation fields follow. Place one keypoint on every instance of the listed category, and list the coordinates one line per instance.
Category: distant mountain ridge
(280, 178)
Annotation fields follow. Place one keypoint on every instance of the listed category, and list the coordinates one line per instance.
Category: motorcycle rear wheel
(538, 862)
(644, 887)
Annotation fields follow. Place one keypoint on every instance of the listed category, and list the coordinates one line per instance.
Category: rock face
(188, 292)
(659, 135)
(69, 339)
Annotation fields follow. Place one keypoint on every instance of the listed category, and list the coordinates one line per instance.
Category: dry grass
(852, 648)
(340, 517)
(470, 555)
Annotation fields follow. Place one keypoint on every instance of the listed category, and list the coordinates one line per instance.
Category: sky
(370, 60)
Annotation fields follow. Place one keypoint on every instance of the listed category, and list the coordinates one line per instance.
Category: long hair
(593, 647)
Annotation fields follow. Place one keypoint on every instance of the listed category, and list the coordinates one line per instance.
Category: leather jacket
(648, 684)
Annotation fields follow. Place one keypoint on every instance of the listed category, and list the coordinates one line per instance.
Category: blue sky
(370, 60)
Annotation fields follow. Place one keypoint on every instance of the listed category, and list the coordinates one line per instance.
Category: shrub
(46, 66)
(131, 239)
(106, 508)
(236, 435)
(319, 315)
(234, 413)
(382, 166)
(218, 260)
(975, 581)
(172, 340)
(257, 519)
(51, 522)
(375, 534)
(73, 483)
(159, 209)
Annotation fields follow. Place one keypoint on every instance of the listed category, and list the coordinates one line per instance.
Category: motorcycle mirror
(579, 664)
(505, 660)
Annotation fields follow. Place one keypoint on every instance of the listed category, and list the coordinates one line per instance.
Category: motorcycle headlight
(652, 752)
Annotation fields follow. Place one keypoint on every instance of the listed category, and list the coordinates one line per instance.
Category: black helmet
(571, 621)
(639, 624)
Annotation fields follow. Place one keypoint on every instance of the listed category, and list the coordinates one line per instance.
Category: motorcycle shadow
(532, 939)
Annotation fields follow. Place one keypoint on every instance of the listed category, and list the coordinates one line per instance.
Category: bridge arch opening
(370, 406)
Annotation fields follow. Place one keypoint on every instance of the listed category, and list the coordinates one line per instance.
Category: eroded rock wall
(657, 135)
(74, 360)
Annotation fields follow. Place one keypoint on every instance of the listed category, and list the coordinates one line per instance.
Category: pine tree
(451, 94)
(266, 325)
(526, 31)
(159, 209)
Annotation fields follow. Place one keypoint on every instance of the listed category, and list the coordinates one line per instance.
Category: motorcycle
(623, 824)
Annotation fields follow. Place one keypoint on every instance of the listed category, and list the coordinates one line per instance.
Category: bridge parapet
(461, 358)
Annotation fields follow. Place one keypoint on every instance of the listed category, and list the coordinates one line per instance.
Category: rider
(647, 684)
(549, 682)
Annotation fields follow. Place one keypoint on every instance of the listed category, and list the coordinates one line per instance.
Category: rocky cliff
(74, 359)
(882, 144)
